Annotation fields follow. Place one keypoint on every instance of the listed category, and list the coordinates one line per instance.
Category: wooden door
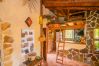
(44, 45)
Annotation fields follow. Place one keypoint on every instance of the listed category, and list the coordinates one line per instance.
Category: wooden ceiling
(75, 9)
(71, 4)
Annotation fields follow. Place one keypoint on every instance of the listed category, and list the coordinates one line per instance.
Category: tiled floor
(51, 61)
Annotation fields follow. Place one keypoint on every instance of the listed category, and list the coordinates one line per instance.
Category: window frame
(73, 33)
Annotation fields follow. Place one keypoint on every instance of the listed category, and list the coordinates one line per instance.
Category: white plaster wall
(15, 13)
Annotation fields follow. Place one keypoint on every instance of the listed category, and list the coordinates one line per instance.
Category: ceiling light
(63, 25)
(71, 24)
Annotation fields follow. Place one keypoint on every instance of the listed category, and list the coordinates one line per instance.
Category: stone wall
(92, 21)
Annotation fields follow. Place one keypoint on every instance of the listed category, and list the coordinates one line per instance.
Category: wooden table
(33, 63)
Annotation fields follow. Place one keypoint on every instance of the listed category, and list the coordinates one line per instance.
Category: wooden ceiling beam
(65, 3)
(75, 8)
(68, 14)
(68, 27)
(54, 11)
(74, 25)
(59, 12)
(76, 12)
(65, 11)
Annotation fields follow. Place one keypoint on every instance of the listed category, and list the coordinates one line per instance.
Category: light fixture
(71, 24)
(63, 25)
(40, 20)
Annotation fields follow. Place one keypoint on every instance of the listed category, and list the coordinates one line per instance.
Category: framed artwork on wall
(28, 21)
(27, 40)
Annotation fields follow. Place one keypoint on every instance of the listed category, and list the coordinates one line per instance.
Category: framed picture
(30, 33)
(26, 51)
(28, 21)
(27, 41)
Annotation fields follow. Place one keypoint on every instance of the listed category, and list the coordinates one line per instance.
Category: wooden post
(46, 42)
(54, 41)
(41, 28)
(68, 14)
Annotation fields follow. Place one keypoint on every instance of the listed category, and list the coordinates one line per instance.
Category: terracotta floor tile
(67, 62)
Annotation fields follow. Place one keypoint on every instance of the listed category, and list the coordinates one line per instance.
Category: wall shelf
(8, 48)
(5, 47)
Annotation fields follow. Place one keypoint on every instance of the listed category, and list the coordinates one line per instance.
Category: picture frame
(27, 41)
(28, 21)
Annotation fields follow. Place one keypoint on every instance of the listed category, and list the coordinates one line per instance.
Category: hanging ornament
(40, 20)
(28, 21)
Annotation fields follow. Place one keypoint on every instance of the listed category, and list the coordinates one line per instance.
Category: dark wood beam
(68, 14)
(60, 12)
(74, 8)
(76, 25)
(76, 13)
(65, 11)
(73, 4)
(70, 4)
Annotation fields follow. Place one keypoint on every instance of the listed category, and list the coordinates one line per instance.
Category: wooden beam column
(46, 41)
(41, 29)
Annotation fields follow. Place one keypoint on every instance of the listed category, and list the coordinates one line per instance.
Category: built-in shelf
(7, 61)
(5, 44)
(8, 48)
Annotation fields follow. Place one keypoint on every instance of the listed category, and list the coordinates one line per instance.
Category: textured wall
(92, 22)
(14, 12)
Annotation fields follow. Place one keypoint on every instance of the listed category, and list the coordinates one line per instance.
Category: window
(69, 34)
(96, 39)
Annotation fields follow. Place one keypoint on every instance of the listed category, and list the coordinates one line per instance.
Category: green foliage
(97, 46)
(38, 57)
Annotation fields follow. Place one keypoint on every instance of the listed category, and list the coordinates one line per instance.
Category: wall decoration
(27, 40)
(28, 21)
(6, 48)
(8, 39)
(31, 47)
(30, 33)
(26, 51)
(8, 52)
(4, 26)
(23, 35)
